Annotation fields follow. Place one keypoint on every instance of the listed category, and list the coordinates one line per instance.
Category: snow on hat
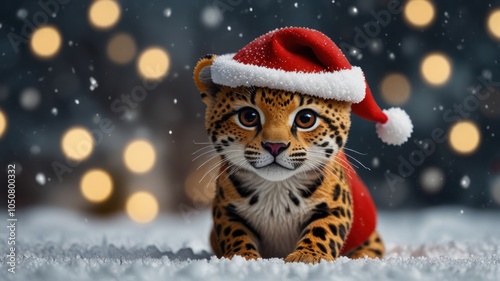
(306, 61)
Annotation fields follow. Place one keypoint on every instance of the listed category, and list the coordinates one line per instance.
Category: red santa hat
(306, 61)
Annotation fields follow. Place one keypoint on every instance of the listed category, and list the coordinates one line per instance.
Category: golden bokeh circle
(142, 207)
(464, 137)
(96, 186)
(104, 14)
(436, 69)
(153, 63)
(45, 42)
(139, 156)
(493, 24)
(419, 13)
(77, 143)
(395, 89)
(121, 48)
(3, 123)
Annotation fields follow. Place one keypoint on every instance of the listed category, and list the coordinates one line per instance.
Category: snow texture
(398, 128)
(345, 85)
(435, 244)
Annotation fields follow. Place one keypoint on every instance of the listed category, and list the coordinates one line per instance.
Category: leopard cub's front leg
(230, 236)
(324, 234)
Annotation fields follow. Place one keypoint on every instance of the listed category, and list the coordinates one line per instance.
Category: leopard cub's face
(273, 133)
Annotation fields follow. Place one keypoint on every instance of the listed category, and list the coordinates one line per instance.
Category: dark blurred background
(98, 110)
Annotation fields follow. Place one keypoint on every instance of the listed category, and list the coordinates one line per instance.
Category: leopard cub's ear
(203, 78)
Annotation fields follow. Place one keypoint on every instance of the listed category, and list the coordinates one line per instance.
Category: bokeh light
(3, 123)
(121, 48)
(493, 23)
(142, 207)
(41, 179)
(77, 143)
(395, 89)
(104, 14)
(30, 98)
(153, 63)
(96, 185)
(45, 42)
(419, 13)
(464, 137)
(436, 69)
(465, 182)
(432, 180)
(211, 16)
(139, 156)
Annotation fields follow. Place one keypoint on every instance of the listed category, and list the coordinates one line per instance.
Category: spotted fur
(294, 203)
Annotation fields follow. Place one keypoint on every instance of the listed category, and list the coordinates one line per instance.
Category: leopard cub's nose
(275, 148)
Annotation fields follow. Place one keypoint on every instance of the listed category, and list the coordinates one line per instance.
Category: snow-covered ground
(433, 244)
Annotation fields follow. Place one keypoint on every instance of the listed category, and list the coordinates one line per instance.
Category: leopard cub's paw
(307, 257)
(245, 255)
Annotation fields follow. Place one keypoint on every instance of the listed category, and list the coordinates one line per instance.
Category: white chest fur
(275, 216)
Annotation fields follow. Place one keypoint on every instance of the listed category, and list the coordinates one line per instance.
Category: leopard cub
(285, 188)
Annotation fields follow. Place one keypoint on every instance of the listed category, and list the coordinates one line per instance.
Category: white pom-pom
(398, 128)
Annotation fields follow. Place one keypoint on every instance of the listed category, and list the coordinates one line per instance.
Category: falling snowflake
(54, 111)
(465, 182)
(353, 11)
(40, 179)
(354, 51)
(77, 101)
(167, 12)
(93, 84)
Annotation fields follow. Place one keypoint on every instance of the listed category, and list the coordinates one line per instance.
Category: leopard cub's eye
(305, 119)
(248, 117)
